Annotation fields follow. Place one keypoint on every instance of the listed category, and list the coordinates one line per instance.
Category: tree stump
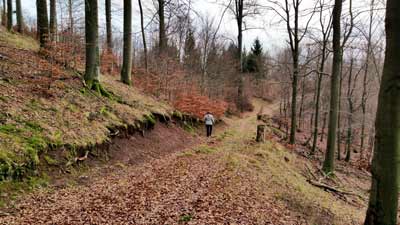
(260, 133)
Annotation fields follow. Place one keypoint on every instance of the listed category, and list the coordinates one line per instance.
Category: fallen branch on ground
(333, 189)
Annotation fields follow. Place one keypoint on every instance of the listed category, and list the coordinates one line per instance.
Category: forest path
(221, 181)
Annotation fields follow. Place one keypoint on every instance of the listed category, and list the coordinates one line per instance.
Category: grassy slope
(44, 107)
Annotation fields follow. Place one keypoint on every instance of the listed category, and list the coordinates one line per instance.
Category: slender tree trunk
(71, 17)
(350, 115)
(239, 21)
(127, 54)
(109, 26)
(4, 14)
(339, 130)
(42, 22)
(323, 126)
(303, 86)
(162, 32)
(20, 18)
(294, 43)
(328, 166)
(317, 106)
(92, 69)
(383, 202)
(53, 20)
(318, 95)
(9, 15)
(143, 35)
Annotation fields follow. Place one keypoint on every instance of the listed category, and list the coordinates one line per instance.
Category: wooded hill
(44, 108)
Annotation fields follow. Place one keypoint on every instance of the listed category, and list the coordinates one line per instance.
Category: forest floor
(228, 179)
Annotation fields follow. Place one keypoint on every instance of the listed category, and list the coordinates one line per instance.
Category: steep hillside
(45, 108)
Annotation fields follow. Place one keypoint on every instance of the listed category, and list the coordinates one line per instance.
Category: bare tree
(291, 16)
(325, 32)
(328, 166)
(364, 97)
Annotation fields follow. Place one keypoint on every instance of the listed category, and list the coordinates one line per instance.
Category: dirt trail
(206, 184)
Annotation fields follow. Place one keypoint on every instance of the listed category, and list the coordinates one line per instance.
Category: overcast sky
(271, 33)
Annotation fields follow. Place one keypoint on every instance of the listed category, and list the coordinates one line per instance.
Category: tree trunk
(328, 166)
(9, 15)
(350, 115)
(42, 22)
(317, 106)
(127, 54)
(4, 14)
(293, 127)
(71, 17)
(239, 22)
(20, 18)
(339, 130)
(53, 20)
(260, 133)
(92, 44)
(109, 26)
(294, 45)
(143, 35)
(303, 86)
(323, 126)
(318, 95)
(162, 32)
(383, 202)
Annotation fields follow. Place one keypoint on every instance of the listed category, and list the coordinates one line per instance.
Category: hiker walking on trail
(209, 121)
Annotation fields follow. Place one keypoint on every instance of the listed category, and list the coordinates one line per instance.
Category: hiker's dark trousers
(209, 130)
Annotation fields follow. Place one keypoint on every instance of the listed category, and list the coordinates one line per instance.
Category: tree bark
(383, 202)
(4, 14)
(71, 17)
(323, 126)
(303, 86)
(239, 23)
(9, 15)
(328, 166)
(42, 22)
(109, 26)
(260, 133)
(92, 69)
(350, 91)
(20, 18)
(127, 54)
(339, 130)
(53, 20)
(162, 32)
(143, 35)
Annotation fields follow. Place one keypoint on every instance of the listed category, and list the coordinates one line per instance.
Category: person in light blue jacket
(209, 121)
